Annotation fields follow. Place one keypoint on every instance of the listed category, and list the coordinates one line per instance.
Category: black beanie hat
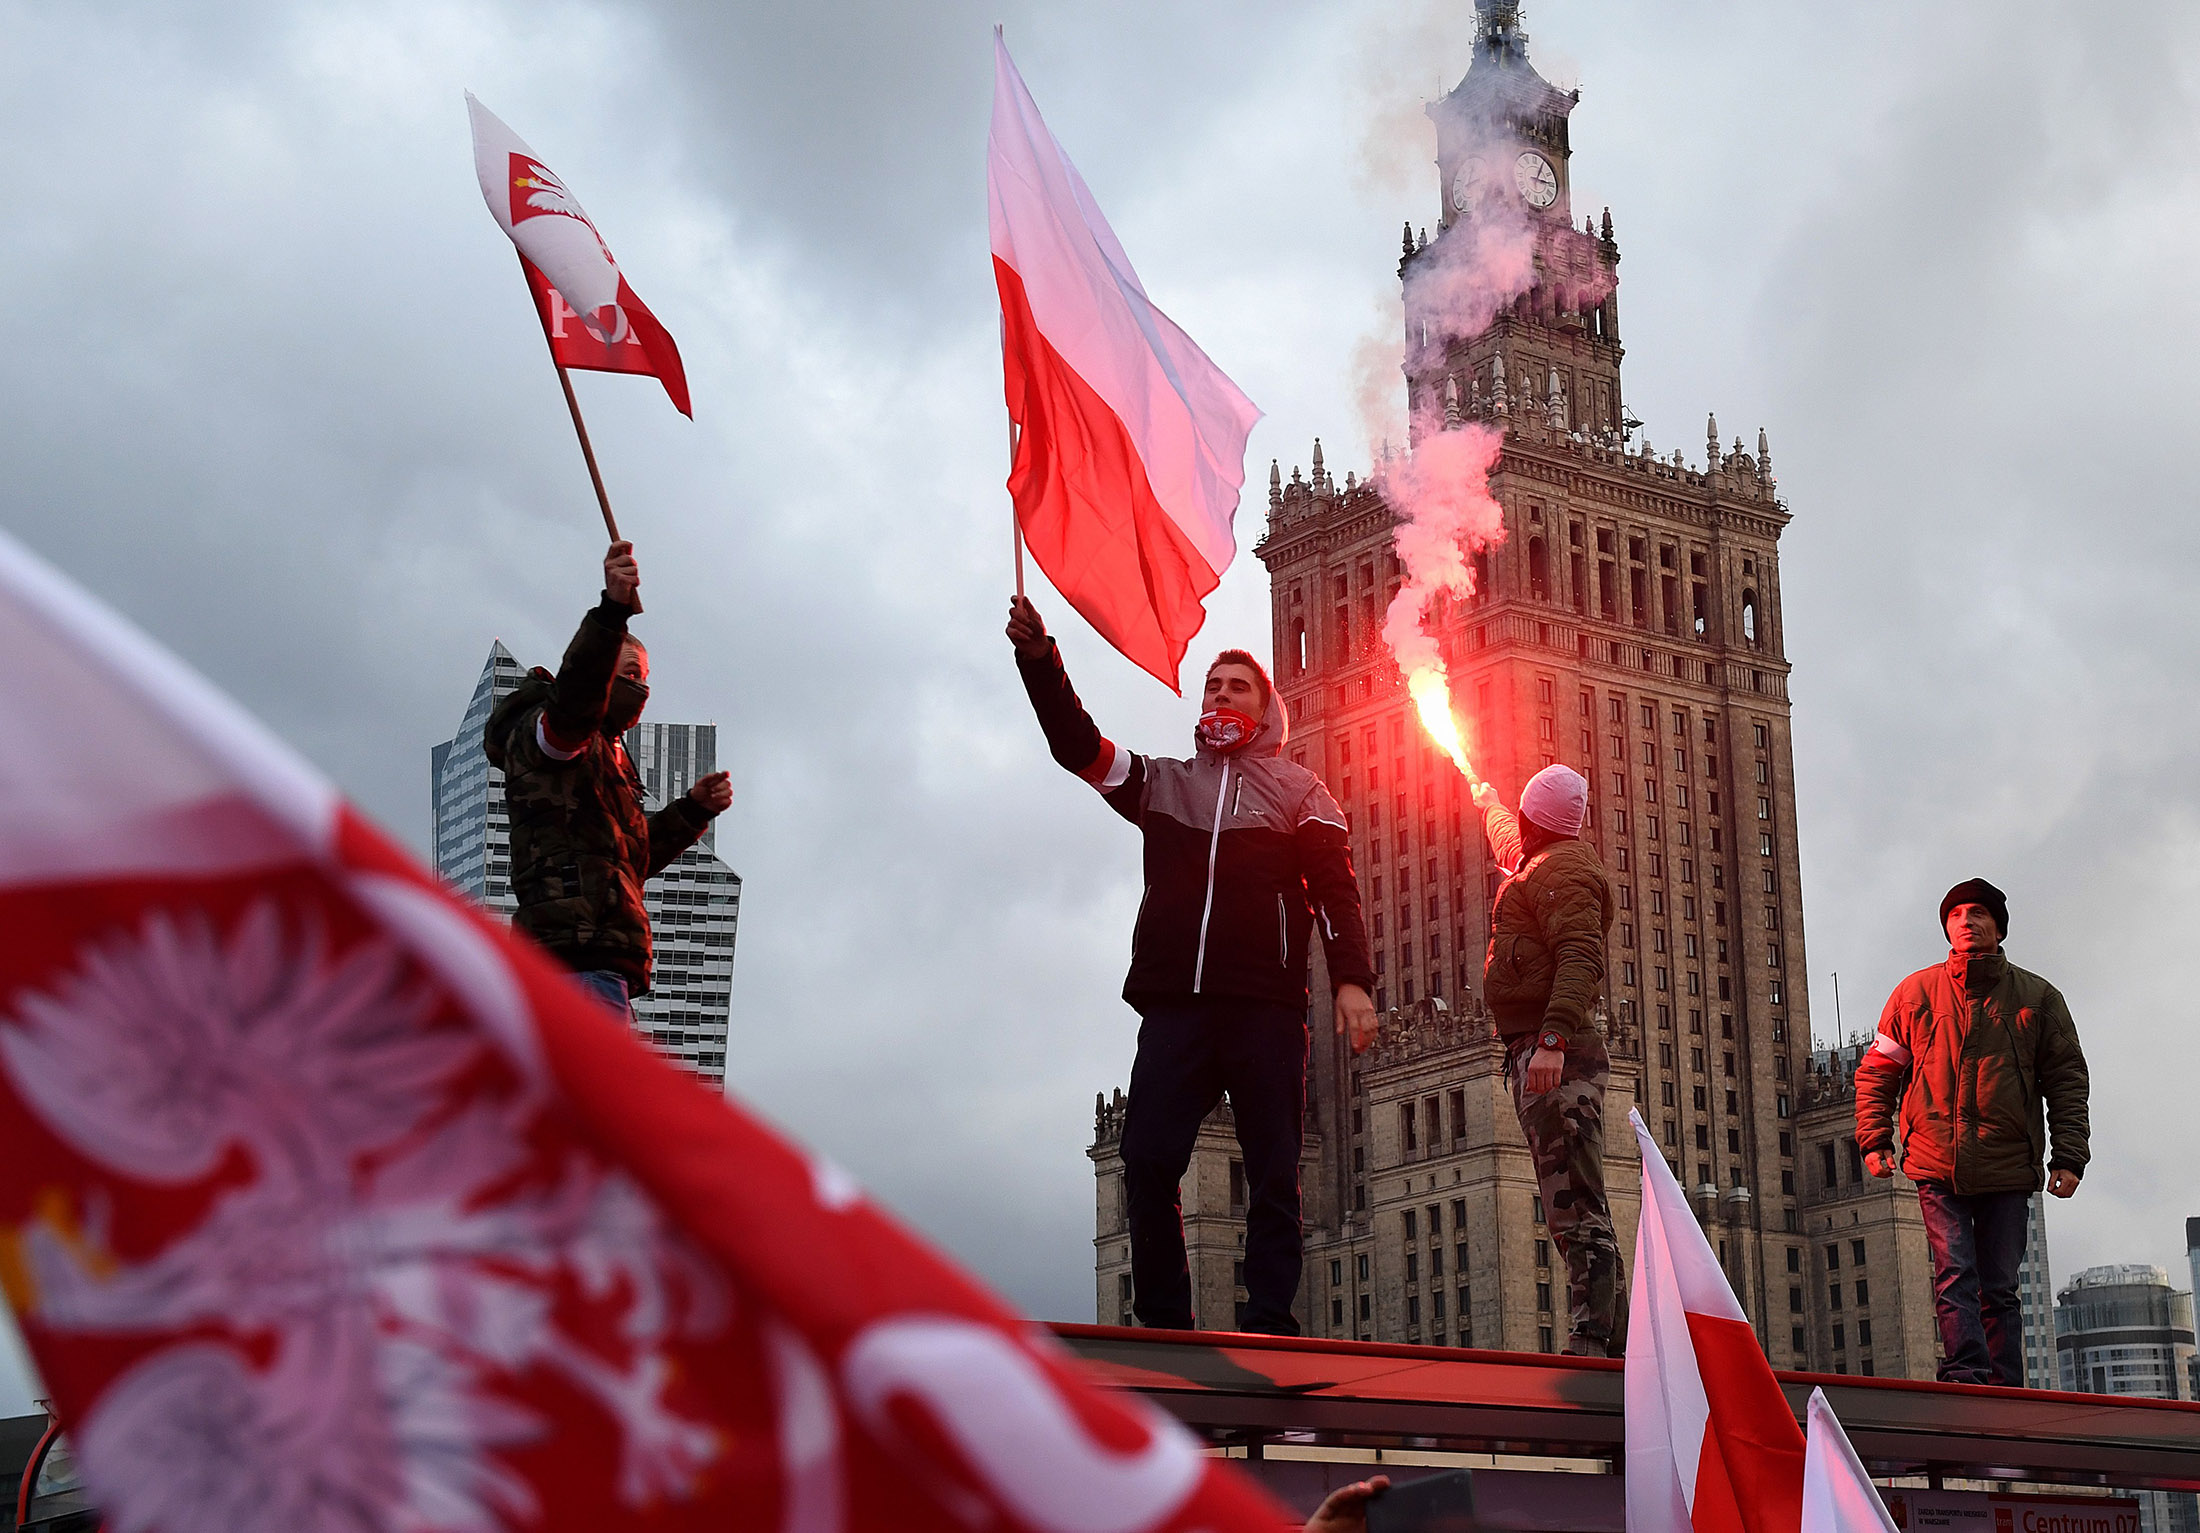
(1976, 891)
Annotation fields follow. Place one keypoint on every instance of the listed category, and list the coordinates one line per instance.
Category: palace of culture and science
(1629, 625)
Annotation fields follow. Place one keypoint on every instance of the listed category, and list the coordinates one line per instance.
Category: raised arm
(1500, 826)
(1075, 741)
(582, 691)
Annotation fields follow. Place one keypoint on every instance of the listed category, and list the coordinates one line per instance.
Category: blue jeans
(609, 987)
(1977, 1240)
(1190, 1052)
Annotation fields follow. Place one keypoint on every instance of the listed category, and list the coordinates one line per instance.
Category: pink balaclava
(1556, 798)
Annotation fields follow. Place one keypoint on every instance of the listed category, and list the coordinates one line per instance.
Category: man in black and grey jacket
(1246, 857)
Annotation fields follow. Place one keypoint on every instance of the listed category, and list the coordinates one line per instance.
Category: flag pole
(580, 429)
(1016, 528)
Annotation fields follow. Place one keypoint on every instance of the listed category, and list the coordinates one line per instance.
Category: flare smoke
(1455, 287)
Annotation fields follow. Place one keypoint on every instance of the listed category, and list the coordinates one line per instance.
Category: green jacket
(1976, 1056)
(581, 845)
(1545, 967)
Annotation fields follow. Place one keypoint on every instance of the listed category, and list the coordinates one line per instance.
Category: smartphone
(1436, 1503)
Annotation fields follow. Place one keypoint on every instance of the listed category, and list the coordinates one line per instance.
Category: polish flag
(1132, 443)
(1711, 1442)
(590, 315)
(1838, 1494)
(327, 1201)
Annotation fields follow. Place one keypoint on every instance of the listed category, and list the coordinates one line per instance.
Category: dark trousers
(1190, 1052)
(1977, 1240)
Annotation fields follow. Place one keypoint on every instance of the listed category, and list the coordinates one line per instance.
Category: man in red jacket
(1246, 856)
(1975, 1060)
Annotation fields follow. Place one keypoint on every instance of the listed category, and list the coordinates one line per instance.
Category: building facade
(1628, 623)
(2123, 1330)
(694, 905)
(1859, 1293)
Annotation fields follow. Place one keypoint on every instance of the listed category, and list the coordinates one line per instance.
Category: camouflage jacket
(1546, 961)
(1974, 1056)
(581, 845)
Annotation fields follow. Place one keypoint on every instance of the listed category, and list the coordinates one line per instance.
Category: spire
(1275, 484)
(1318, 472)
(1497, 29)
(1607, 226)
(1409, 239)
(1710, 442)
(1764, 457)
(1451, 399)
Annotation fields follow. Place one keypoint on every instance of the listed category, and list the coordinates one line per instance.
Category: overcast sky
(273, 388)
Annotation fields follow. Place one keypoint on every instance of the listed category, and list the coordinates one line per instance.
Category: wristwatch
(1551, 1040)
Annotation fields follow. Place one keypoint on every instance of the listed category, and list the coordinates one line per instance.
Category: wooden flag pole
(580, 429)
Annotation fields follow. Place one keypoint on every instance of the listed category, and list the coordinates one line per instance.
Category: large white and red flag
(1711, 1443)
(589, 314)
(1838, 1494)
(1131, 445)
(327, 1205)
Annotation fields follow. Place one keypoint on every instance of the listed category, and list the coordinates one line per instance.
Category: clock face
(1466, 184)
(1536, 180)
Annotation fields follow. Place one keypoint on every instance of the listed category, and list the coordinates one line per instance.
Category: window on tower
(1749, 616)
(1539, 570)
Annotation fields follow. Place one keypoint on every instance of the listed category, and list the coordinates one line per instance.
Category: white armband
(542, 743)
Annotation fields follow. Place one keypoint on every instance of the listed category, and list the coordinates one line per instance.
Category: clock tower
(1503, 160)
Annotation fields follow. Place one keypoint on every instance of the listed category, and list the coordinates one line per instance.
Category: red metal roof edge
(1249, 1341)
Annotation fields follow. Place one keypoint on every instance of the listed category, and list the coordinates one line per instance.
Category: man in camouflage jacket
(1969, 1052)
(581, 845)
(1541, 980)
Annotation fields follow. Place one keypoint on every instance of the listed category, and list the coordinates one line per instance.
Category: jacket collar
(1978, 976)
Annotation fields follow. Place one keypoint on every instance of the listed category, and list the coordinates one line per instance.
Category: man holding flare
(1541, 980)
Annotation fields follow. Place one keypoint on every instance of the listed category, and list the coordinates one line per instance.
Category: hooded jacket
(1545, 967)
(1969, 1053)
(582, 847)
(1246, 855)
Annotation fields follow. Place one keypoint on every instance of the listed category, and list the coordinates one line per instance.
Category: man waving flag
(1131, 445)
(328, 1202)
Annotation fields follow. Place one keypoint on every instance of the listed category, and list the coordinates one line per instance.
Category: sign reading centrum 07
(1965, 1511)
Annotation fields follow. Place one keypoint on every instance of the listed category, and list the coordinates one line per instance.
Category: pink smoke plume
(1441, 492)
(1455, 288)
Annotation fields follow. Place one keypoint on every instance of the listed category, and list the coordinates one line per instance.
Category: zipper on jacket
(1207, 909)
(1283, 935)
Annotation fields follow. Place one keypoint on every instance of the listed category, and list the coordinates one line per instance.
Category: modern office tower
(2122, 1330)
(694, 905)
(2036, 1290)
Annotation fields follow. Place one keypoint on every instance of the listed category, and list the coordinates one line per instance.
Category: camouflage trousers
(1565, 1133)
